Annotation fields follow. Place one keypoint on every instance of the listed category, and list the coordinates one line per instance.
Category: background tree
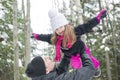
(15, 42)
(6, 46)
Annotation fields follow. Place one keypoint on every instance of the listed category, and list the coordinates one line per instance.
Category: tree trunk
(27, 35)
(79, 14)
(106, 54)
(114, 42)
(15, 40)
(27, 30)
(108, 66)
(55, 4)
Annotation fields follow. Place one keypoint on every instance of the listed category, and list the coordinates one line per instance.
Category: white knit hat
(56, 19)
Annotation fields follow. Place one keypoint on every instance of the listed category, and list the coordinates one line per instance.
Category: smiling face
(49, 64)
(60, 30)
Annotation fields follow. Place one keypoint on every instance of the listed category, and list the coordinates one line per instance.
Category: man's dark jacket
(85, 73)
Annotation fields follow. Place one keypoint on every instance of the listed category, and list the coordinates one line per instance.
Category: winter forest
(17, 48)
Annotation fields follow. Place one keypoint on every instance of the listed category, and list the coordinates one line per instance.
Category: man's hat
(36, 67)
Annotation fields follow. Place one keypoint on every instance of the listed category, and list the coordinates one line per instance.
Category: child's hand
(1, 39)
(101, 14)
(34, 35)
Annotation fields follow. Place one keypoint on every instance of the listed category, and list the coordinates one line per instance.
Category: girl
(66, 39)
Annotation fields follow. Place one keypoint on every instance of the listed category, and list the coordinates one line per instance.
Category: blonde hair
(69, 32)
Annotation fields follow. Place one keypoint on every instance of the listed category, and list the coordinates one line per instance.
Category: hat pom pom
(53, 13)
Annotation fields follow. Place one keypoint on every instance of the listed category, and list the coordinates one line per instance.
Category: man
(43, 69)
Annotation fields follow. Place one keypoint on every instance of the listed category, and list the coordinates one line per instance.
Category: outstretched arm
(64, 65)
(87, 27)
(42, 37)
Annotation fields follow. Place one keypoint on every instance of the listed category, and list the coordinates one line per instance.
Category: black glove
(35, 36)
(32, 36)
(1, 39)
(103, 15)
